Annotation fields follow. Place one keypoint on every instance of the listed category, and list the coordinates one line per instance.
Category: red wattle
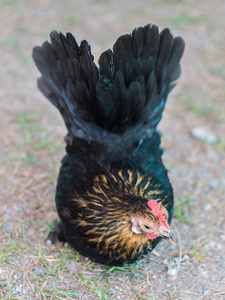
(151, 236)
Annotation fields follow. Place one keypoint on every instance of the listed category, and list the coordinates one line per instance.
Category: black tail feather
(125, 97)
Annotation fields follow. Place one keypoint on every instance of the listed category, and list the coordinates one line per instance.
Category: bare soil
(31, 147)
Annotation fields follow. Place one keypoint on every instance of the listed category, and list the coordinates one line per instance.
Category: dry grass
(32, 146)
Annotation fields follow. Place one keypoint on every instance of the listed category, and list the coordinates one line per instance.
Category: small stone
(8, 228)
(207, 206)
(171, 271)
(202, 133)
(222, 237)
(110, 17)
(172, 247)
(176, 259)
(185, 155)
(18, 289)
(141, 276)
(214, 183)
(165, 261)
(215, 158)
(186, 257)
(206, 190)
(205, 289)
(37, 271)
(48, 242)
(132, 275)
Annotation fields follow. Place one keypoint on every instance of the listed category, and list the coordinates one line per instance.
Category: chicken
(113, 196)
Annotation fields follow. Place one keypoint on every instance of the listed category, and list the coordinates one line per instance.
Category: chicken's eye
(146, 226)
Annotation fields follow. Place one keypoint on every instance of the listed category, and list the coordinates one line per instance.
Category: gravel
(37, 271)
(196, 157)
(204, 134)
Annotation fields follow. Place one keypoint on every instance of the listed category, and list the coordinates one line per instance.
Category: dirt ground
(31, 135)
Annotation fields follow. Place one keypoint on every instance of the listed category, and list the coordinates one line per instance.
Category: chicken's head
(154, 224)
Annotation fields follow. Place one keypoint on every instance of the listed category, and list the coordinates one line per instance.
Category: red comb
(154, 205)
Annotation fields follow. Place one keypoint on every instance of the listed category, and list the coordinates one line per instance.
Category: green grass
(136, 294)
(28, 121)
(32, 141)
(44, 143)
(93, 282)
(221, 144)
(93, 285)
(125, 270)
(190, 103)
(9, 41)
(48, 270)
(98, 285)
(219, 70)
(182, 21)
(10, 286)
(27, 61)
(102, 41)
(10, 250)
(49, 228)
(181, 208)
(9, 2)
(152, 297)
(104, 2)
(53, 178)
(53, 292)
(7, 161)
(51, 266)
(199, 248)
(28, 158)
(72, 19)
(174, 1)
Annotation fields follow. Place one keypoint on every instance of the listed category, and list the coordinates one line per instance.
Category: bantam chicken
(113, 196)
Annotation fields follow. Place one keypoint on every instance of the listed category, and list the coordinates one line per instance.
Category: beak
(169, 237)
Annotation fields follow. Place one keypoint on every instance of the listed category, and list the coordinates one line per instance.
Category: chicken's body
(113, 169)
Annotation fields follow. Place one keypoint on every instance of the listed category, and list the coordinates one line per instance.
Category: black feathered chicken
(113, 196)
